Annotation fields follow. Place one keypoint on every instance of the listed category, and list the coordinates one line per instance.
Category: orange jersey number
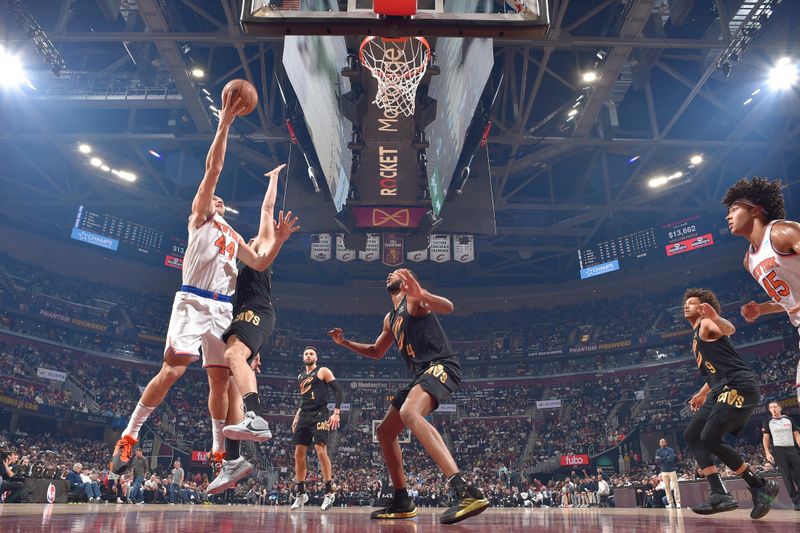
(230, 248)
(775, 287)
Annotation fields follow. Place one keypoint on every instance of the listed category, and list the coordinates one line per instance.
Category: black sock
(329, 486)
(301, 487)
(401, 494)
(232, 449)
(252, 402)
(752, 479)
(715, 480)
(456, 481)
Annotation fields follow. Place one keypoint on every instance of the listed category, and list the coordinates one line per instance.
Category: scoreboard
(633, 245)
(675, 238)
(127, 237)
(686, 235)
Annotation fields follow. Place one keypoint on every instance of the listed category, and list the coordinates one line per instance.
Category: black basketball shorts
(440, 379)
(253, 326)
(729, 407)
(312, 428)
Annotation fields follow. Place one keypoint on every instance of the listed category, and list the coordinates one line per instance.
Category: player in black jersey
(312, 424)
(723, 405)
(414, 327)
(252, 325)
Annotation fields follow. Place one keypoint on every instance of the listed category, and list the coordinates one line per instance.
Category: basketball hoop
(398, 66)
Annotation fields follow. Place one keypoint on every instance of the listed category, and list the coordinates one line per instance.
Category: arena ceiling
(559, 185)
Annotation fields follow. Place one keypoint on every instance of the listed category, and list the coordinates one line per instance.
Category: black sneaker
(469, 501)
(763, 498)
(716, 503)
(396, 509)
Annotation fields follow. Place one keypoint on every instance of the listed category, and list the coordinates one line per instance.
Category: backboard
(499, 19)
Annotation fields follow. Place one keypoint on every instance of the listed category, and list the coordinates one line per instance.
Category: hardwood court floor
(85, 518)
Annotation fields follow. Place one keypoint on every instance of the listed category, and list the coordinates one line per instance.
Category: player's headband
(748, 203)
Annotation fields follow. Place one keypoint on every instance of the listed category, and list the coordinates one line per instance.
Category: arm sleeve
(334, 385)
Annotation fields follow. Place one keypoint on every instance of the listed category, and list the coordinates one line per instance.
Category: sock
(252, 402)
(328, 486)
(301, 487)
(401, 494)
(457, 481)
(232, 449)
(137, 420)
(752, 478)
(216, 432)
(715, 480)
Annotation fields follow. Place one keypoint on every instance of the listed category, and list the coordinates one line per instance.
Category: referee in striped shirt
(783, 433)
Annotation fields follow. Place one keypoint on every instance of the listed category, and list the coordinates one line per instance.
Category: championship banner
(575, 460)
(372, 253)
(342, 253)
(418, 256)
(464, 248)
(548, 404)
(392, 250)
(440, 248)
(321, 247)
(53, 375)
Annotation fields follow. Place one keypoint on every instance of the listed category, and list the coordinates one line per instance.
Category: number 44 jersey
(777, 273)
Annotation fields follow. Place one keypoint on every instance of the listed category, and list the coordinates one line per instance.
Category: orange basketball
(241, 89)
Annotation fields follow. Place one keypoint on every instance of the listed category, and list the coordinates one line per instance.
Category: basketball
(241, 89)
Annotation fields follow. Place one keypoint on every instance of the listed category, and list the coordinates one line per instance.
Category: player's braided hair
(705, 296)
(766, 194)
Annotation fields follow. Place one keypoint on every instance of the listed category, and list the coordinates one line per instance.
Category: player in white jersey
(202, 307)
(756, 212)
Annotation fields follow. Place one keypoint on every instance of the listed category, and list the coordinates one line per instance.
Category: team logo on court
(51, 493)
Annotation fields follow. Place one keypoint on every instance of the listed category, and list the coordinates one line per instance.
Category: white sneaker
(231, 472)
(327, 502)
(677, 506)
(119, 500)
(253, 428)
(299, 501)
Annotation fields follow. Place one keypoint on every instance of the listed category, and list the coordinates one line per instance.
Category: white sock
(138, 418)
(219, 439)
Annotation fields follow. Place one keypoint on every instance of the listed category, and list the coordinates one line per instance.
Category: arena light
(658, 182)
(231, 210)
(784, 74)
(696, 159)
(572, 113)
(198, 73)
(154, 154)
(126, 176)
(96, 162)
(84, 149)
(213, 109)
(634, 159)
(11, 72)
(105, 168)
(589, 76)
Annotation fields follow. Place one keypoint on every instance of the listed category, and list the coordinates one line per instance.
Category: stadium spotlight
(784, 74)
(590, 76)
(84, 149)
(696, 159)
(11, 71)
(125, 175)
(96, 161)
(105, 168)
(198, 73)
(572, 113)
(232, 210)
(658, 182)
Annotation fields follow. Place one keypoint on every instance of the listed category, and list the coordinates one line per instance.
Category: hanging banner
(417, 256)
(373, 252)
(321, 247)
(342, 253)
(392, 250)
(548, 404)
(464, 248)
(53, 375)
(440, 248)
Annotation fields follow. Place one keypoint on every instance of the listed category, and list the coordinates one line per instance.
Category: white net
(398, 66)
